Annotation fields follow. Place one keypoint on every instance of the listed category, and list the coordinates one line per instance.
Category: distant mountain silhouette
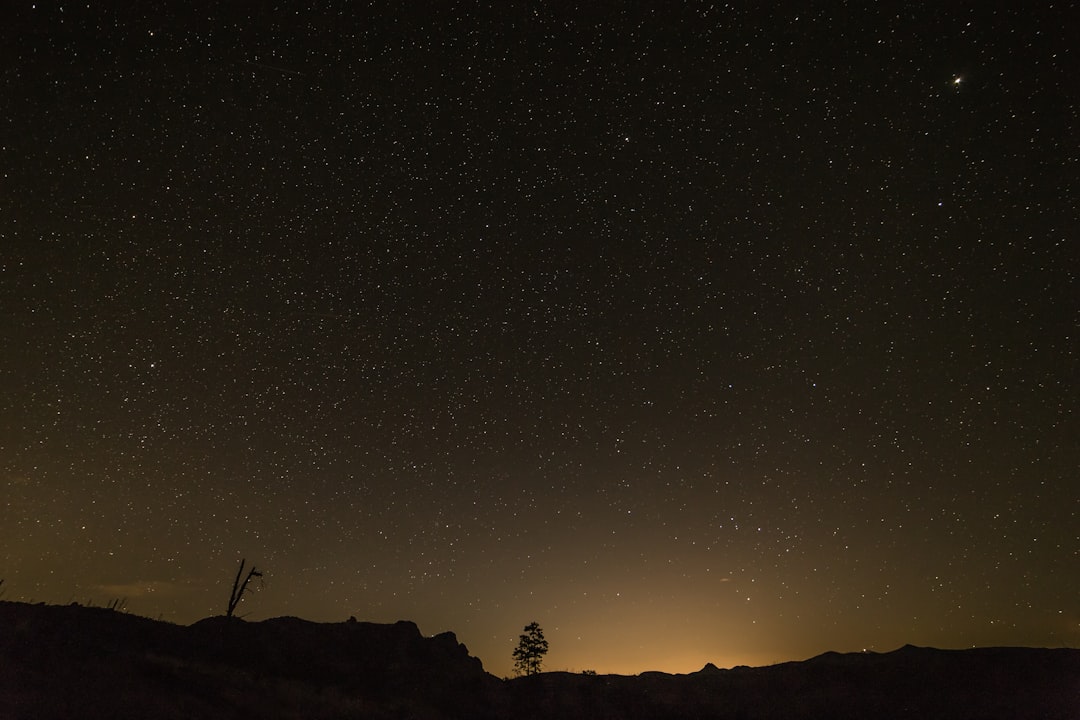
(77, 662)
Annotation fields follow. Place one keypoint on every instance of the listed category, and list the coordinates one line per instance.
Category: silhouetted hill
(77, 662)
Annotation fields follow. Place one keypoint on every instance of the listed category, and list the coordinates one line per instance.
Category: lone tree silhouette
(531, 649)
(238, 588)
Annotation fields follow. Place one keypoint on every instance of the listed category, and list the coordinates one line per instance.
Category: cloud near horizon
(140, 588)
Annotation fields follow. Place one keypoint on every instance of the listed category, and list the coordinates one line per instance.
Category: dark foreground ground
(76, 662)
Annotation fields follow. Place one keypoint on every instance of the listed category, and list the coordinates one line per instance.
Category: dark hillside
(989, 683)
(77, 662)
(68, 662)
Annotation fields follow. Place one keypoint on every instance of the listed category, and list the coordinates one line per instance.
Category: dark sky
(701, 334)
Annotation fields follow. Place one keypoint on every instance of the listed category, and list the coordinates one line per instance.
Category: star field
(695, 335)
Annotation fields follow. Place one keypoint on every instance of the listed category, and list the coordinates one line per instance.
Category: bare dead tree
(239, 588)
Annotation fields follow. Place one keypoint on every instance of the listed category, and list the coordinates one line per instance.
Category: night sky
(695, 334)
